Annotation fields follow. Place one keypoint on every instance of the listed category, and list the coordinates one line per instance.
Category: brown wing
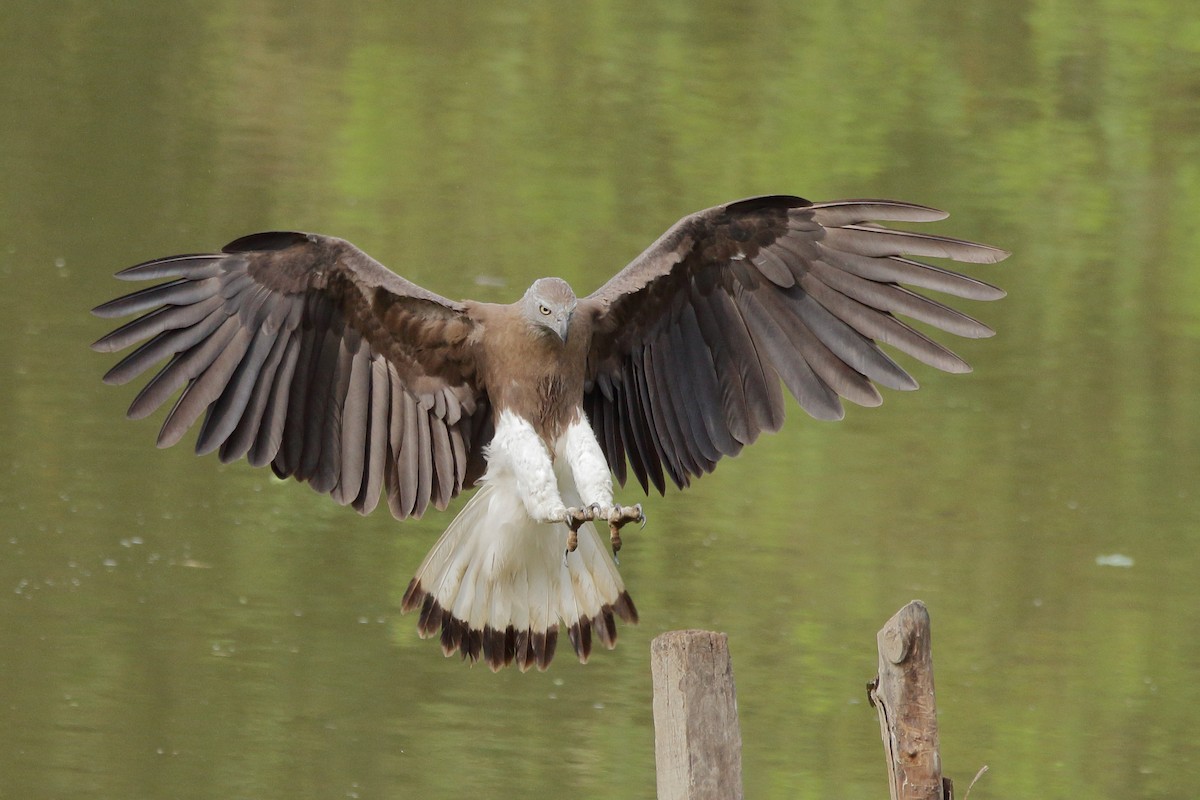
(305, 353)
(692, 338)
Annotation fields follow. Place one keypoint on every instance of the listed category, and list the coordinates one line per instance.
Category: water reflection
(176, 628)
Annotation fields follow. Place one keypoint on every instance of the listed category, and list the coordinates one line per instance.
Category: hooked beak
(563, 326)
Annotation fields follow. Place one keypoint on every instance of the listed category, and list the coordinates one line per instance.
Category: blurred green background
(173, 628)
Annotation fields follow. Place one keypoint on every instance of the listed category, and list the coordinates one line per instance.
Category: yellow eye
(545, 310)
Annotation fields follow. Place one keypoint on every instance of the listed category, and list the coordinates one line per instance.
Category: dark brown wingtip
(547, 653)
(605, 627)
(413, 596)
(452, 634)
(499, 647)
(537, 646)
(625, 609)
(472, 644)
(523, 653)
(600, 627)
(433, 617)
(526, 648)
(580, 634)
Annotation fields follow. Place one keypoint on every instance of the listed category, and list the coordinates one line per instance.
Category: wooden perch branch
(903, 695)
(697, 744)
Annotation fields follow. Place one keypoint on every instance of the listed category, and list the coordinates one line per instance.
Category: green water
(171, 628)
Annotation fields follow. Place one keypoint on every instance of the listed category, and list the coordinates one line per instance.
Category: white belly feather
(498, 583)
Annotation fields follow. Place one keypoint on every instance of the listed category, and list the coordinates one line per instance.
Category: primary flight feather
(303, 352)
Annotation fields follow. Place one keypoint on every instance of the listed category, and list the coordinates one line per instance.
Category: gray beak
(562, 326)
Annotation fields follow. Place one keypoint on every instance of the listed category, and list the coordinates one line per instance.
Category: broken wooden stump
(902, 693)
(697, 744)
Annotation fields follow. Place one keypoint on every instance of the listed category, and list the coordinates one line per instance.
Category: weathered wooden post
(903, 695)
(697, 744)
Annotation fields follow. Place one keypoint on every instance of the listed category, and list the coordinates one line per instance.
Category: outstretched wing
(692, 338)
(305, 353)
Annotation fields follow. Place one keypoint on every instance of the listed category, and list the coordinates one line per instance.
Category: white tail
(496, 584)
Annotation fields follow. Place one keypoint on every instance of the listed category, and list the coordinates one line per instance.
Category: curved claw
(575, 517)
(614, 535)
(618, 518)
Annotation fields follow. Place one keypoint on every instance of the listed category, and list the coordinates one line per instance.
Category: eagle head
(549, 304)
